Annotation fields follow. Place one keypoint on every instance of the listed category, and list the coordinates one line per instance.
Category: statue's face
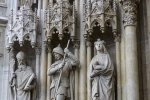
(99, 46)
(57, 56)
(21, 61)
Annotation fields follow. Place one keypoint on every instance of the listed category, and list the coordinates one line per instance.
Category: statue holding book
(23, 80)
(62, 72)
(101, 74)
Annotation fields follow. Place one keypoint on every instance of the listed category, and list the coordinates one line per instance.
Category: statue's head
(21, 58)
(99, 46)
(58, 52)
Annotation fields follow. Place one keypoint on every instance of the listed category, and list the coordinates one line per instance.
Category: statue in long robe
(23, 80)
(101, 74)
(62, 87)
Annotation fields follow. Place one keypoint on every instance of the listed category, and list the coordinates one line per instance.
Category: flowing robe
(22, 77)
(103, 78)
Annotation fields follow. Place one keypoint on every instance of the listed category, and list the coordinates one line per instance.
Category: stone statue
(62, 87)
(23, 80)
(101, 74)
(23, 2)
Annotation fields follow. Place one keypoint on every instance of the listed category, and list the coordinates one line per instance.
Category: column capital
(49, 48)
(117, 38)
(88, 42)
(129, 13)
(37, 50)
(76, 44)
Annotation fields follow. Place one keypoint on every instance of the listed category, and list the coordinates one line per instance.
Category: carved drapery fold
(22, 26)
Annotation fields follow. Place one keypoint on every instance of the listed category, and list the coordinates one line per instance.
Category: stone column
(118, 65)
(83, 69)
(49, 63)
(12, 56)
(130, 21)
(39, 8)
(89, 56)
(37, 52)
(43, 75)
(76, 53)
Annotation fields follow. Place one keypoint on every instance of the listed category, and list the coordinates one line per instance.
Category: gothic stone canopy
(22, 26)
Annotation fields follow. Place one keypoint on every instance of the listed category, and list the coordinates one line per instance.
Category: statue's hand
(66, 51)
(30, 87)
(61, 65)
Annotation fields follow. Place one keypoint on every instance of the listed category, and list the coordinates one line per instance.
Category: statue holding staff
(62, 86)
(23, 79)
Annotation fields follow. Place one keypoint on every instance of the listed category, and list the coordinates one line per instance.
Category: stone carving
(60, 18)
(22, 2)
(101, 74)
(23, 81)
(100, 13)
(3, 11)
(62, 88)
(129, 13)
(22, 27)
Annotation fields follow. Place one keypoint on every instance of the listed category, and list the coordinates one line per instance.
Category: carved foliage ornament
(129, 13)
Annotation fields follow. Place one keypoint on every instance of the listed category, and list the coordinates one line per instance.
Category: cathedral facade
(99, 49)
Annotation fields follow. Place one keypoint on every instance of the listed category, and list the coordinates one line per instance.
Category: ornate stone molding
(100, 13)
(37, 50)
(60, 18)
(129, 13)
(88, 42)
(22, 26)
(76, 44)
(117, 38)
(49, 48)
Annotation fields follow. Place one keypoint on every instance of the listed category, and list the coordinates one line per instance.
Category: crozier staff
(20, 78)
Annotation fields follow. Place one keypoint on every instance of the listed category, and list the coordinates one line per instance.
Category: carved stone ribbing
(129, 13)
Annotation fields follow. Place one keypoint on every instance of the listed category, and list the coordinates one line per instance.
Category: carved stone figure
(23, 80)
(101, 74)
(62, 86)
